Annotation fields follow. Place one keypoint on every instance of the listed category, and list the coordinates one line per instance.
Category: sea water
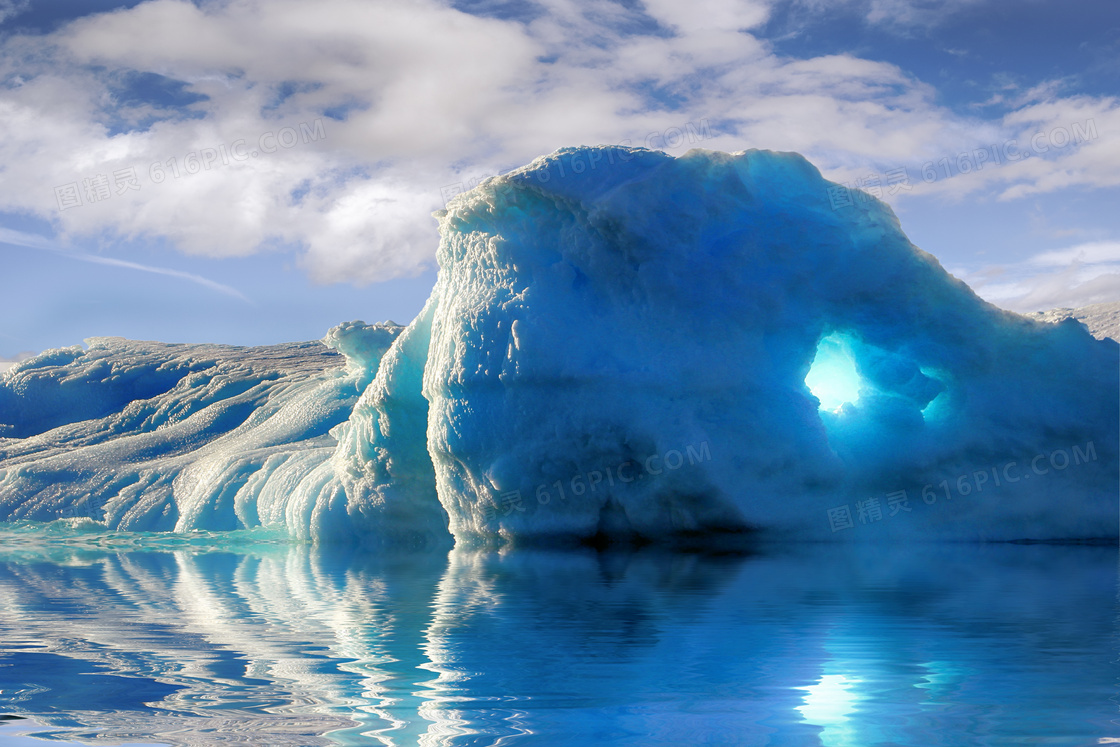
(207, 639)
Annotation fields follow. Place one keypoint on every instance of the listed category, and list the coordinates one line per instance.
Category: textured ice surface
(617, 345)
(1102, 319)
(591, 314)
(151, 436)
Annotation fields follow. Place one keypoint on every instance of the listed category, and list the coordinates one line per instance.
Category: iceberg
(145, 436)
(620, 346)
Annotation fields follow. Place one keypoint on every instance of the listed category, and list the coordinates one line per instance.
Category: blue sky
(251, 172)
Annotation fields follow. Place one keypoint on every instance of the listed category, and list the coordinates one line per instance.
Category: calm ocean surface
(111, 639)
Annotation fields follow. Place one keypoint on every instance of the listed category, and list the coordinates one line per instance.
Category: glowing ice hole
(832, 377)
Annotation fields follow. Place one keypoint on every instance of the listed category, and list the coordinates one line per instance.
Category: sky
(252, 172)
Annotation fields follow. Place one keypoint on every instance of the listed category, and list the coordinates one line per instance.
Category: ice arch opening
(833, 377)
(846, 369)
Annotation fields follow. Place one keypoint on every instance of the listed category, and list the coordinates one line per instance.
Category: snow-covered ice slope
(158, 437)
(1102, 319)
(618, 345)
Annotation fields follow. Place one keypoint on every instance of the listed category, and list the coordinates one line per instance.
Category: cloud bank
(336, 128)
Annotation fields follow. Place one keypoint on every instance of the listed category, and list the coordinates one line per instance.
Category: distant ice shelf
(621, 345)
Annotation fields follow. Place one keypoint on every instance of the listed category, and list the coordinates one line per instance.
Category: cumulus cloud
(336, 127)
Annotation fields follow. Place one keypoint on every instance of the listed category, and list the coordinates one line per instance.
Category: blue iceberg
(621, 345)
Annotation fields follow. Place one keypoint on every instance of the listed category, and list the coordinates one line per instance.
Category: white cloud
(707, 15)
(1091, 253)
(1066, 278)
(909, 14)
(437, 96)
(12, 8)
(900, 16)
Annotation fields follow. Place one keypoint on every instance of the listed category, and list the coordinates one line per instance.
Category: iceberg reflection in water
(274, 644)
